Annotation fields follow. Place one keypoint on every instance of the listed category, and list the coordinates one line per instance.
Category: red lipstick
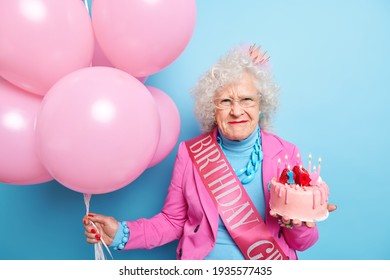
(237, 122)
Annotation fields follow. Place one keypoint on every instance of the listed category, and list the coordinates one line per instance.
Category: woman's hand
(285, 221)
(98, 227)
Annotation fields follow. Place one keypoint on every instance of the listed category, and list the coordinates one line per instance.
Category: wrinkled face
(237, 108)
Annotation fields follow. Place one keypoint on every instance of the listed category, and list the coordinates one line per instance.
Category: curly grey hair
(228, 69)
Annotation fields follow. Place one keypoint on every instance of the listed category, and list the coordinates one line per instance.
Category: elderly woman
(217, 201)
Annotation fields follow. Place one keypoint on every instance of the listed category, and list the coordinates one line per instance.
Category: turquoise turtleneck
(238, 153)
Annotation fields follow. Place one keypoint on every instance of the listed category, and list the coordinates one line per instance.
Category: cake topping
(291, 176)
(299, 175)
(283, 176)
(302, 176)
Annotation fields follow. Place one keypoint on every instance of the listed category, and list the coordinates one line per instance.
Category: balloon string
(99, 253)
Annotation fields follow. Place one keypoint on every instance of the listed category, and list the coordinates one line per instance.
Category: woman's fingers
(310, 224)
(332, 207)
(296, 222)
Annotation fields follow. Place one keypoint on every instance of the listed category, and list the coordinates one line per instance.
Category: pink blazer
(189, 214)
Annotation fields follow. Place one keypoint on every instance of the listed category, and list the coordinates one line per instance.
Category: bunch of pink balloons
(73, 103)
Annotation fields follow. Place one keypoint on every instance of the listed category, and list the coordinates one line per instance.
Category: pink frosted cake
(299, 195)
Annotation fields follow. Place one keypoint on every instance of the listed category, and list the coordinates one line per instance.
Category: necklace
(247, 173)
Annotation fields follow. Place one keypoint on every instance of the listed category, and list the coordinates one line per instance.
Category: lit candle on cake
(319, 167)
(278, 170)
(314, 176)
(286, 160)
(298, 159)
(309, 165)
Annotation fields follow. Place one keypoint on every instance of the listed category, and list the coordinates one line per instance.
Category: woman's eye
(226, 101)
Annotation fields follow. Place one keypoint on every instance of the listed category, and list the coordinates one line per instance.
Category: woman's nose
(236, 109)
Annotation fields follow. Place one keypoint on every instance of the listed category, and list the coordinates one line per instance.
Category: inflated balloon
(142, 37)
(170, 124)
(142, 79)
(100, 59)
(19, 163)
(98, 129)
(43, 40)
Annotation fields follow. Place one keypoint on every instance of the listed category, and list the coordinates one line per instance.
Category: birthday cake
(299, 194)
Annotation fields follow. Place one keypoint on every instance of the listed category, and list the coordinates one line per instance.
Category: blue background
(331, 59)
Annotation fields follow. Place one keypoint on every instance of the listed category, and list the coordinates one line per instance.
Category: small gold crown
(258, 58)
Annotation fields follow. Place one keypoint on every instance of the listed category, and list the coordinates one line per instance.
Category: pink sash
(234, 205)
